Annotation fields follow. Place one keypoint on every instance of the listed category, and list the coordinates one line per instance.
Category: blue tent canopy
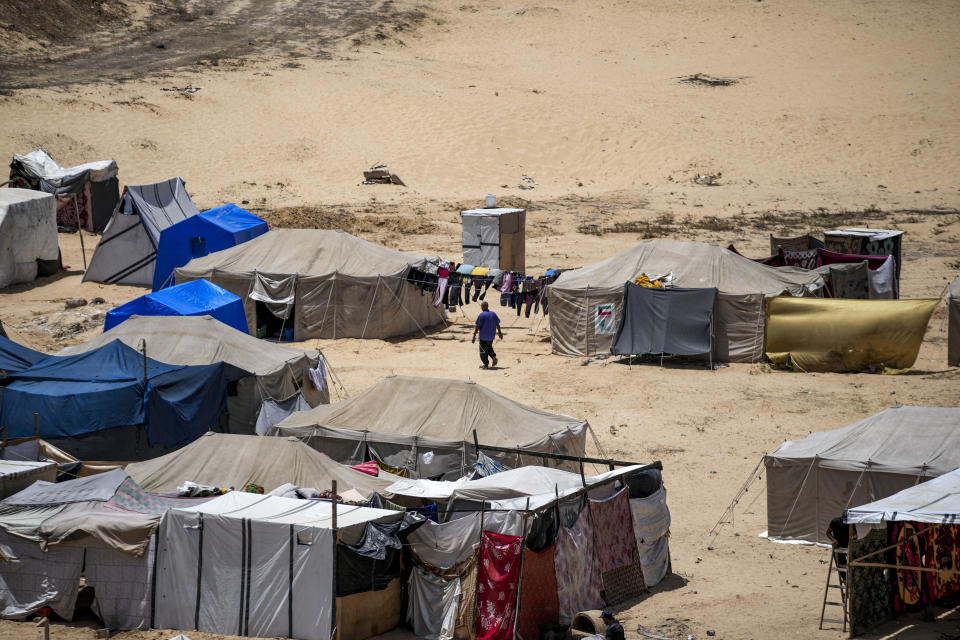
(208, 231)
(104, 389)
(195, 298)
(16, 357)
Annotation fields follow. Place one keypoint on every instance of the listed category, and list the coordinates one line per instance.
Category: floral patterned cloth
(616, 543)
(497, 579)
(538, 593)
(577, 572)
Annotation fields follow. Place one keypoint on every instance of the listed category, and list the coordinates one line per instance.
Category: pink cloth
(613, 531)
(497, 581)
(578, 575)
(370, 468)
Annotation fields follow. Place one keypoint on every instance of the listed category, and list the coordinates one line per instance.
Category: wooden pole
(476, 444)
(849, 580)
(333, 509)
(523, 548)
(583, 478)
(143, 350)
(83, 251)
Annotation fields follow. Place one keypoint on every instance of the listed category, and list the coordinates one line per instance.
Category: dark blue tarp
(16, 357)
(677, 321)
(104, 388)
(208, 231)
(195, 298)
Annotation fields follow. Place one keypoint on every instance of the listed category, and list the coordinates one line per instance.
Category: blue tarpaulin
(16, 357)
(196, 298)
(105, 388)
(208, 231)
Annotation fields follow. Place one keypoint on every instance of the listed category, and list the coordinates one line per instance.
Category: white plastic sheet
(433, 605)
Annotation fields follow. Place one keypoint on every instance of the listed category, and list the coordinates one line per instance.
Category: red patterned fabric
(538, 593)
(67, 212)
(497, 585)
(370, 468)
(613, 531)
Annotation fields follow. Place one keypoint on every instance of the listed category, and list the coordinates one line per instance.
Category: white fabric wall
(122, 585)
(28, 232)
(651, 525)
(31, 578)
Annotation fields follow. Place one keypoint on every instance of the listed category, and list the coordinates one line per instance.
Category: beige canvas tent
(586, 304)
(953, 329)
(426, 426)
(276, 372)
(811, 481)
(325, 284)
(227, 460)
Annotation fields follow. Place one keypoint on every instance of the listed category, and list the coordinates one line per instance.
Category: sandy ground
(842, 114)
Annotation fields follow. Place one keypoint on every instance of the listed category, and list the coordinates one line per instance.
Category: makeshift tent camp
(228, 460)
(586, 305)
(426, 426)
(846, 335)
(953, 327)
(326, 284)
(28, 236)
(197, 298)
(209, 231)
(494, 238)
(16, 357)
(86, 194)
(16, 475)
(98, 528)
(811, 481)
(675, 321)
(127, 252)
(267, 371)
(112, 403)
(261, 566)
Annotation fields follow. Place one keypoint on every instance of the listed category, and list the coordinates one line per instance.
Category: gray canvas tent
(586, 305)
(953, 328)
(227, 460)
(267, 371)
(813, 480)
(495, 238)
(325, 284)
(426, 426)
(28, 235)
(127, 252)
(675, 321)
(87, 194)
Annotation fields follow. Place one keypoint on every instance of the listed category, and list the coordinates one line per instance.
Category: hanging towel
(480, 271)
(466, 269)
(883, 281)
(497, 581)
(319, 375)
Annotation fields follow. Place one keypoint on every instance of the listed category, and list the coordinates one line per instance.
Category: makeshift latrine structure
(259, 371)
(86, 194)
(196, 298)
(586, 305)
(426, 427)
(112, 403)
(28, 236)
(846, 335)
(127, 251)
(495, 238)
(230, 460)
(207, 232)
(953, 326)
(323, 284)
(913, 537)
(813, 480)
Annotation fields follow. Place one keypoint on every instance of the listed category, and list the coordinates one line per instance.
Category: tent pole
(849, 585)
(36, 425)
(143, 350)
(83, 250)
(333, 598)
(483, 506)
(583, 478)
(476, 444)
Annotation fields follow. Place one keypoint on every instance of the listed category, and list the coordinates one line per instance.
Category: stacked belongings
(86, 194)
(529, 548)
(266, 381)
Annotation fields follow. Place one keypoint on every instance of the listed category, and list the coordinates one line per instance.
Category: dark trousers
(486, 351)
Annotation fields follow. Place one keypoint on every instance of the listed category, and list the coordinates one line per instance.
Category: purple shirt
(488, 321)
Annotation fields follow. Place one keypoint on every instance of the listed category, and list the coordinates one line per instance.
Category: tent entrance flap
(277, 295)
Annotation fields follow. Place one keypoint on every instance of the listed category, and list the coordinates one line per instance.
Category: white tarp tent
(936, 501)
(28, 234)
(813, 480)
(253, 565)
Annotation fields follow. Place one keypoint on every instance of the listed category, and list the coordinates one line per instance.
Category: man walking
(488, 326)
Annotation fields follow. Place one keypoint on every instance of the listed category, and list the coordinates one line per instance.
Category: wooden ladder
(840, 585)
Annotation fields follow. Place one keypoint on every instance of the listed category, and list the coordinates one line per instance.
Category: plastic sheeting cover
(935, 501)
(28, 232)
(196, 298)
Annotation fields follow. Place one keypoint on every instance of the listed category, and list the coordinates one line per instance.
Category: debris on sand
(703, 80)
(186, 89)
(708, 180)
(379, 174)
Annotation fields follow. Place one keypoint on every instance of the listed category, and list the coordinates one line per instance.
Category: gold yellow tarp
(816, 334)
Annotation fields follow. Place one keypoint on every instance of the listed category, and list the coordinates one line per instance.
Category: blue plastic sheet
(16, 357)
(196, 298)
